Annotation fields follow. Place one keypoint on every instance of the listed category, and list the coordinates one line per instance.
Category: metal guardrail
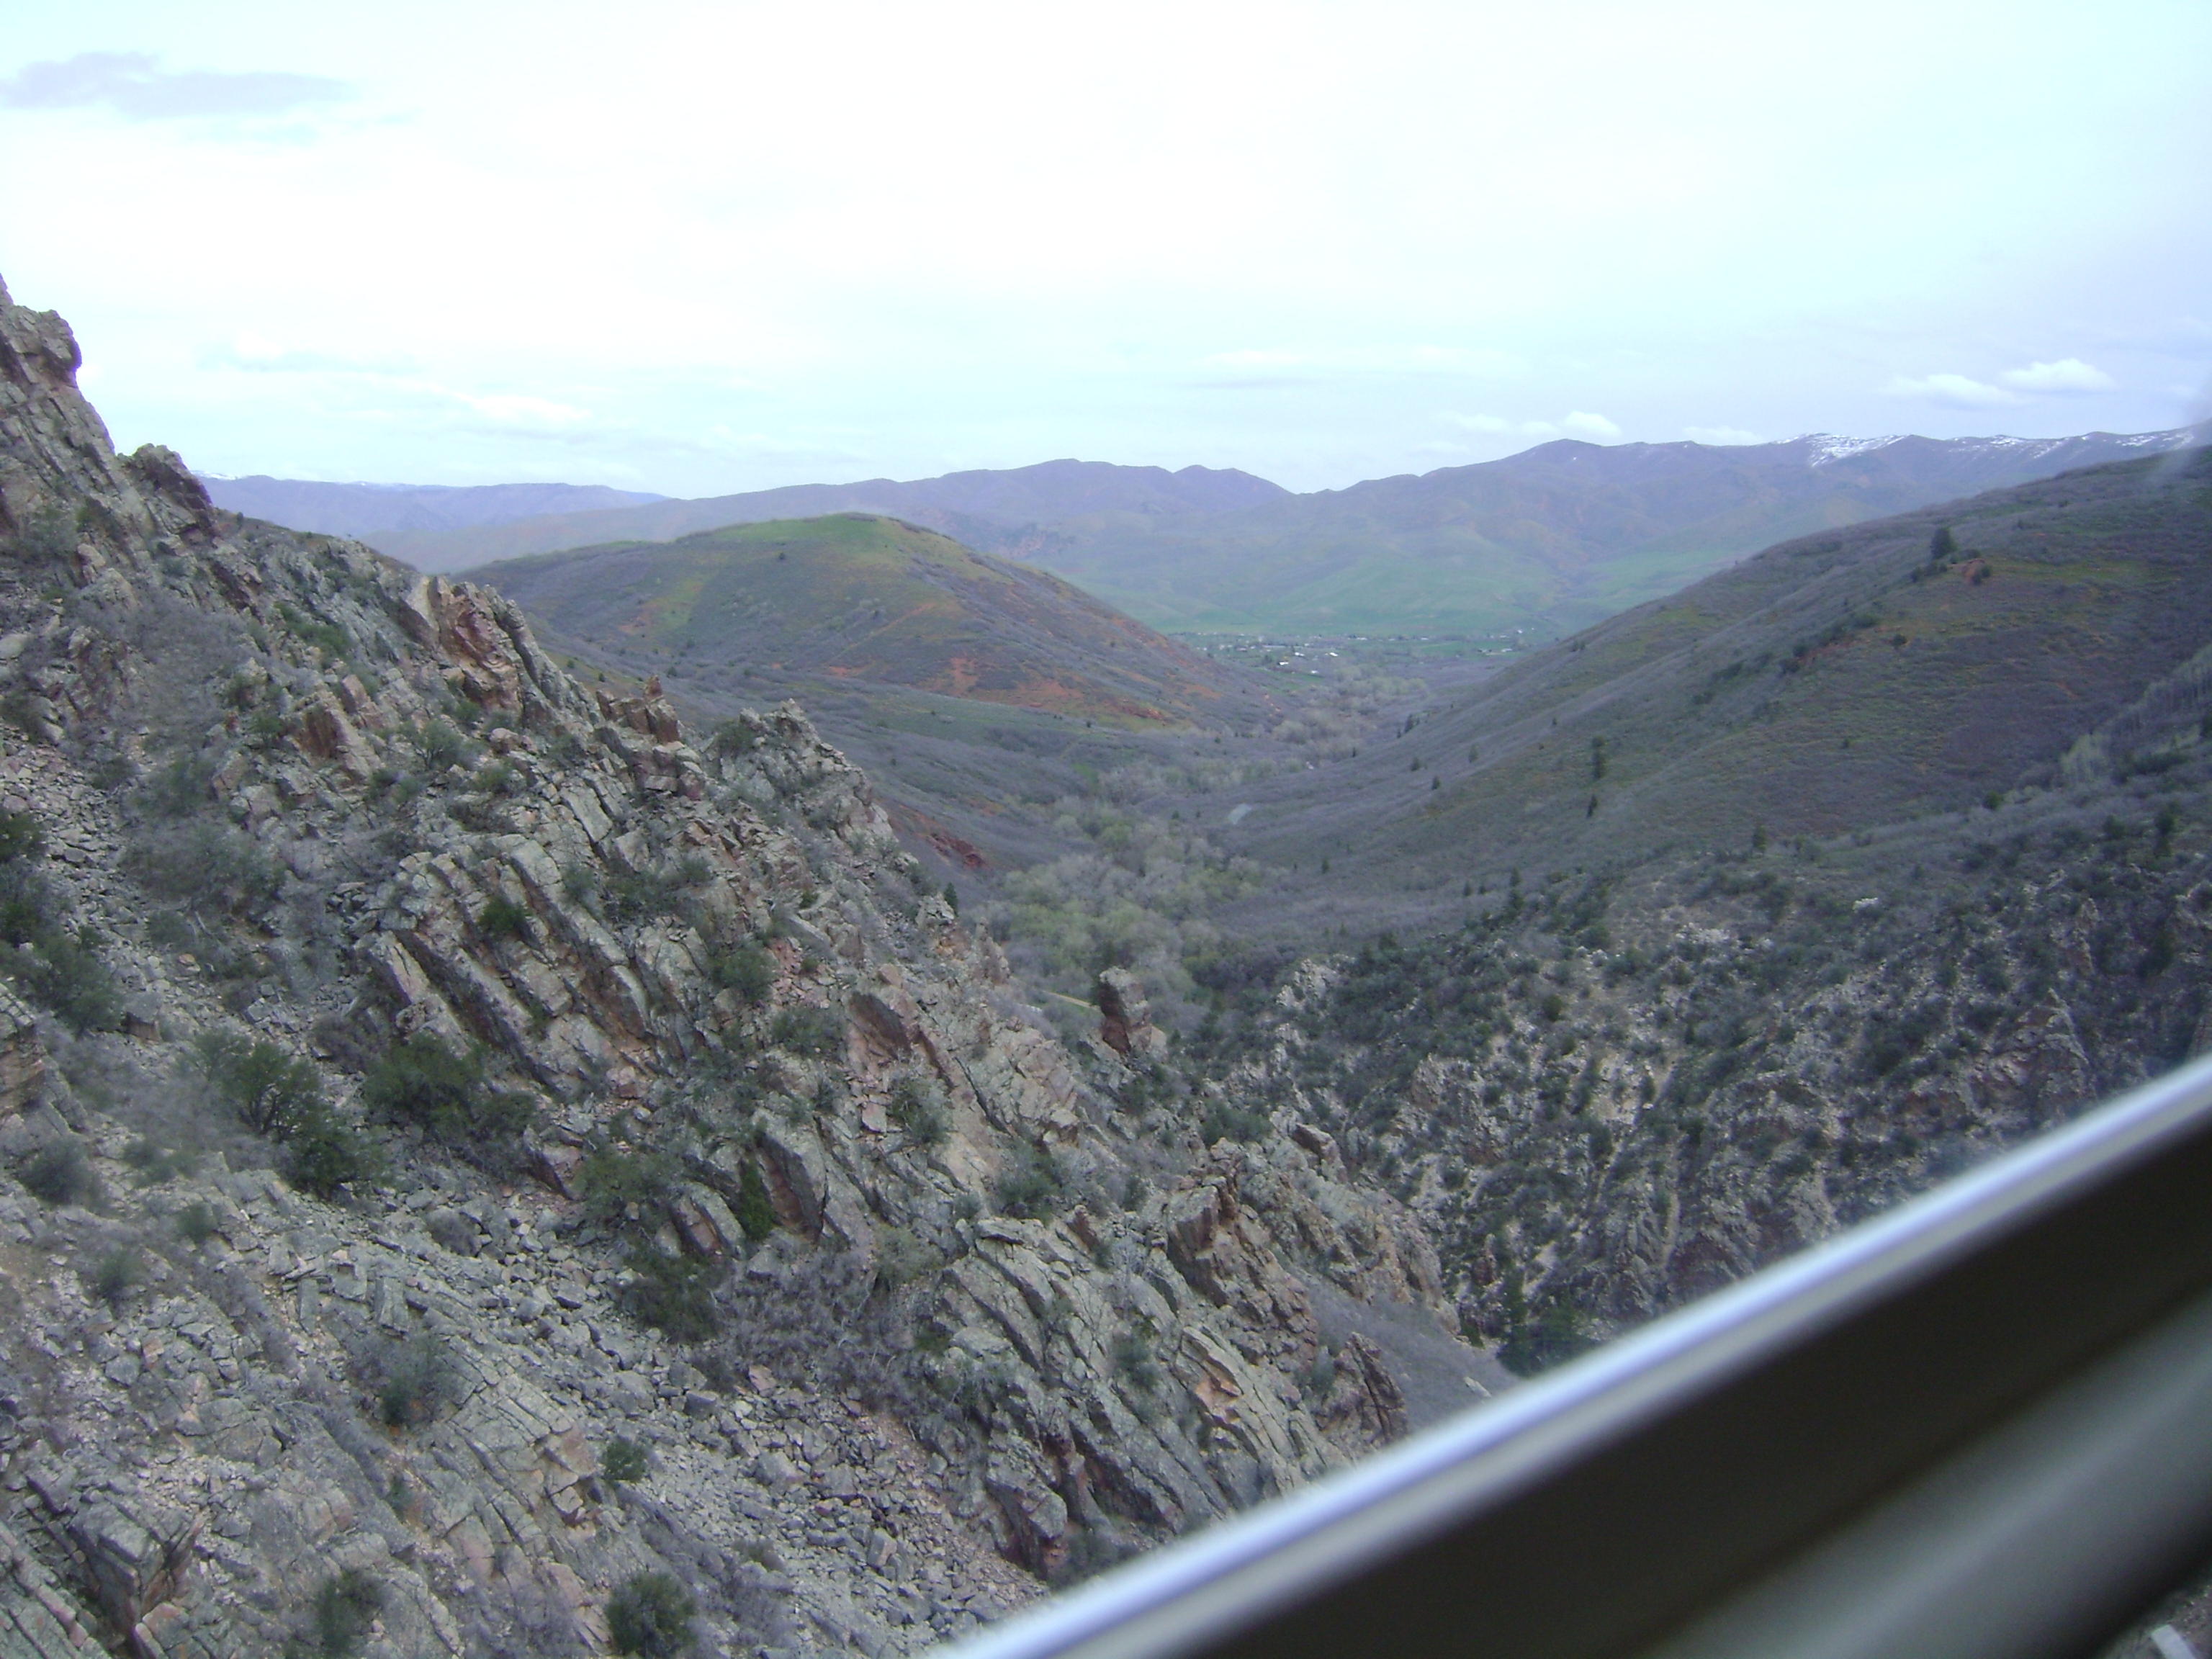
(1977, 1427)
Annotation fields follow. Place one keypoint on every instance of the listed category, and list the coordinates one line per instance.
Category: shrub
(325, 1154)
(48, 537)
(755, 1213)
(499, 778)
(271, 1092)
(152, 1164)
(623, 1461)
(918, 1107)
(415, 1382)
(66, 974)
(443, 1090)
(623, 1189)
(672, 1293)
(732, 738)
(344, 1611)
(900, 1258)
(817, 1032)
(115, 1275)
(1031, 1185)
(326, 637)
(20, 837)
(503, 918)
(60, 1173)
(651, 1616)
(1132, 1358)
(197, 1222)
(749, 971)
(1225, 1122)
(442, 746)
(201, 862)
(1558, 1334)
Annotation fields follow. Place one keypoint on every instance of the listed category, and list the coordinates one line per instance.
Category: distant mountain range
(1546, 541)
(372, 512)
(1021, 512)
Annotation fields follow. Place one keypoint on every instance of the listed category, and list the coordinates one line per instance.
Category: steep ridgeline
(487, 1175)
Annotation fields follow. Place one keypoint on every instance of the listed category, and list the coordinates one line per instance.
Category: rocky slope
(491, 1169)
(1607, 1093)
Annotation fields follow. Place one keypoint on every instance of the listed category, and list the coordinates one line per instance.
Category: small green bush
(327, 637)
(443, 1090)
(415, 1383)
(271, 1092)
(116, 1274)
(196, 1222)
(756, 1214)
(325, 1154)
(651, 1616)
(1225, 1121)
(917, 1106)
(749, 971)
(442, 746)
(901, 1258)
(500, 778)
(152, 1164)
(673, 1294)
(344, 1612)
(1133, 1359)
(623, 1461)
(201, 862)
(60, 1173)
(21, 837)
(1031, 1185)
(732, 738)
(626, 1189)
(68, 975)
(806, 1030)
(504, 918)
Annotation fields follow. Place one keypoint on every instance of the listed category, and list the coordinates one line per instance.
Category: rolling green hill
(852, 598)
(1832, 684)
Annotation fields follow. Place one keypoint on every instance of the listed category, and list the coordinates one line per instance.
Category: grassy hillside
(856, 598)
(1832, 684)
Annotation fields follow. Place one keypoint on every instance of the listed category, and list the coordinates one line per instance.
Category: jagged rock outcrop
(747, 1154)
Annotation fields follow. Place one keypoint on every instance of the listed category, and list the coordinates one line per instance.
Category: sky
(697, 249)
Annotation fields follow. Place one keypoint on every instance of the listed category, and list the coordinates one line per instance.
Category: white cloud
(1583, 424)
(2066, 375)
(512, 409)
(1368, 360)
(1720, 435)
(1952, 390)
(260, 355)
(133, 86)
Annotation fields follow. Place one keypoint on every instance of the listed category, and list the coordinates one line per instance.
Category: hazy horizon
(699, 251)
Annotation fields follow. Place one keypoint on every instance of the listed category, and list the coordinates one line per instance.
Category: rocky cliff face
(487, 1159)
